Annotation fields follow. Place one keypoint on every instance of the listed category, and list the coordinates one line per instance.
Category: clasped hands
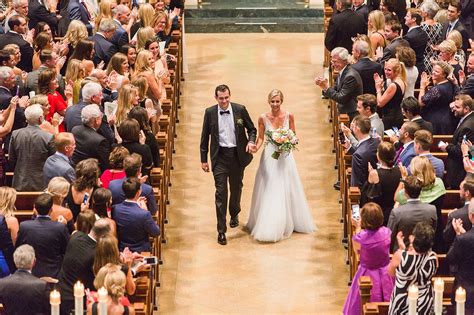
(251, 148)
(322, 82)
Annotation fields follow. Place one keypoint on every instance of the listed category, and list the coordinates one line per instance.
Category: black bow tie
(224, 112)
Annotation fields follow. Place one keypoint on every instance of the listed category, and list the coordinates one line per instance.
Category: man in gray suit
(49, 60)
(405, 217)
(29, 149)
(58, 164)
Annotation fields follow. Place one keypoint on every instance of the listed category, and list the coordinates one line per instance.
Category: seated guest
(416, 36)
(58, 164)
(101, 204)
(372, 241)
(344, 26)
(22, 292)
(132, 166)
(89, 143)
(348, 84)
(29, 149)
(407, 56)
(467, 83)
(116, 166)
(365, 153)
(383, 181)
(48, 238)
(462, 108)
(411, 110)
(129, 131)
(390, 95)
(423, 143)
(18, 29)
(435, 101)
(78, 262)
(366, 106)
(87, 179)
(365, 66)
(466, 192)
(406, 152)
(115, 282)
(134, 224)
(392, 34)
(59, 187)
(415, 264)
(405, 217)
(104, 49)
(461, 255)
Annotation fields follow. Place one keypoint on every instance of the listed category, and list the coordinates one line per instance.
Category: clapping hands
(378, 81)
(457, 226)
(321, 82)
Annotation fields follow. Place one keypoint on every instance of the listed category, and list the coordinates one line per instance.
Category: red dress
(109, 176)
(57, 104)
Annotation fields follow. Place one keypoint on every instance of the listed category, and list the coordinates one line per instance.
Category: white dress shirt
(226, 128)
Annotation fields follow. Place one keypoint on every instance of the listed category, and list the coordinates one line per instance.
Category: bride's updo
(274, 93)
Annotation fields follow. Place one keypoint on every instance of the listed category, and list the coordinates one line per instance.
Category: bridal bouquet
(283, 139)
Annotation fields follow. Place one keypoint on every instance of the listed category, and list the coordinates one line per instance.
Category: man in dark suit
(28, 151)
(365, 67)
(462, 108)
(121, 17)
(466, 192)
(37, 12)
(91, 94)
(412, 111)
(454, 23)
(22, 292)
(48, 238)
(89, 143)
(365, 153)
(78, 262)
(18, 25)
(467, 16)
(405, 149)
(392, 34)
(416, 36)
(132, 166)
(104, 49)
(461, 255)
(467, 83)
(58, 164)
(348, 84)
(359, 7)
(405, 217)
(343, 26)
(231, 151)
(77, 10)
(134, 223)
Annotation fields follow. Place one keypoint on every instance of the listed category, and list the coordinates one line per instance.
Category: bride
(279, 204)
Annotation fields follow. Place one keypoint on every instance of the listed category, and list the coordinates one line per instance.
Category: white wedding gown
(279, 204)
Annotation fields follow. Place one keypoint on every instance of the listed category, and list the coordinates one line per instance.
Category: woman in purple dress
(372, 241)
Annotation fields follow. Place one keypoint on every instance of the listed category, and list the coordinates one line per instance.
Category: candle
(438, 302)
(460, 300)
(55, 301)
(78, 298)
(412, 299)
(102, 301)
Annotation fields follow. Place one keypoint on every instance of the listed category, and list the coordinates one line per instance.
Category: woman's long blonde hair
(146, 12)
(105, 12)
(7, 201)
(423, 170)
(377, 19)
(398, 68)
(142, 64)
(75, 32)
(124, 102)
(144, 34)
(74, 70)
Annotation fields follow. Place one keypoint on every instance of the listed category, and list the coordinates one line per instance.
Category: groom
(231, 152)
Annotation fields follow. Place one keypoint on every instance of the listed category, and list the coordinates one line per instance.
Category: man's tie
(450, 28)
(397, 155)
(224, 112)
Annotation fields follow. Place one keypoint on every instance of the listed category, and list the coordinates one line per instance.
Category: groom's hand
(205, 167)
(251, 147)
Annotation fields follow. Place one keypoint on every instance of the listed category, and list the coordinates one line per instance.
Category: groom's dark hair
(221, 88)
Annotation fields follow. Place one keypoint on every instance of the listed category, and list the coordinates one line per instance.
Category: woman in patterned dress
(433, 30)
(415, 265)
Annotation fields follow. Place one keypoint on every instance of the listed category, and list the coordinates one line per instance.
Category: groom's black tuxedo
(242, 123)
(230, 159)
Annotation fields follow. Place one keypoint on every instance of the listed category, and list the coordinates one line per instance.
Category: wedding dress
(279, 204)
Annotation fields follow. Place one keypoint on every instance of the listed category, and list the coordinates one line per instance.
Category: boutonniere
(240, 121)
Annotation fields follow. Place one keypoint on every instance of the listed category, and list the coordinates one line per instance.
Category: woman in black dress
(141, 115)
(390, 95)
(383, 181)
(435, 101)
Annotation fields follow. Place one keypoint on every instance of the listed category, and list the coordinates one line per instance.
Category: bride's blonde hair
(274, 93)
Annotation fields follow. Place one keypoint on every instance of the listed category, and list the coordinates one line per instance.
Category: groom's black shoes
(234, 222)
(221, 239)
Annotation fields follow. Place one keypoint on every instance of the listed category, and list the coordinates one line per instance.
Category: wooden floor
(305, 274)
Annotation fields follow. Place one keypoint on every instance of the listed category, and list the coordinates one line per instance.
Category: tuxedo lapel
(216, 117)
(236, 115)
